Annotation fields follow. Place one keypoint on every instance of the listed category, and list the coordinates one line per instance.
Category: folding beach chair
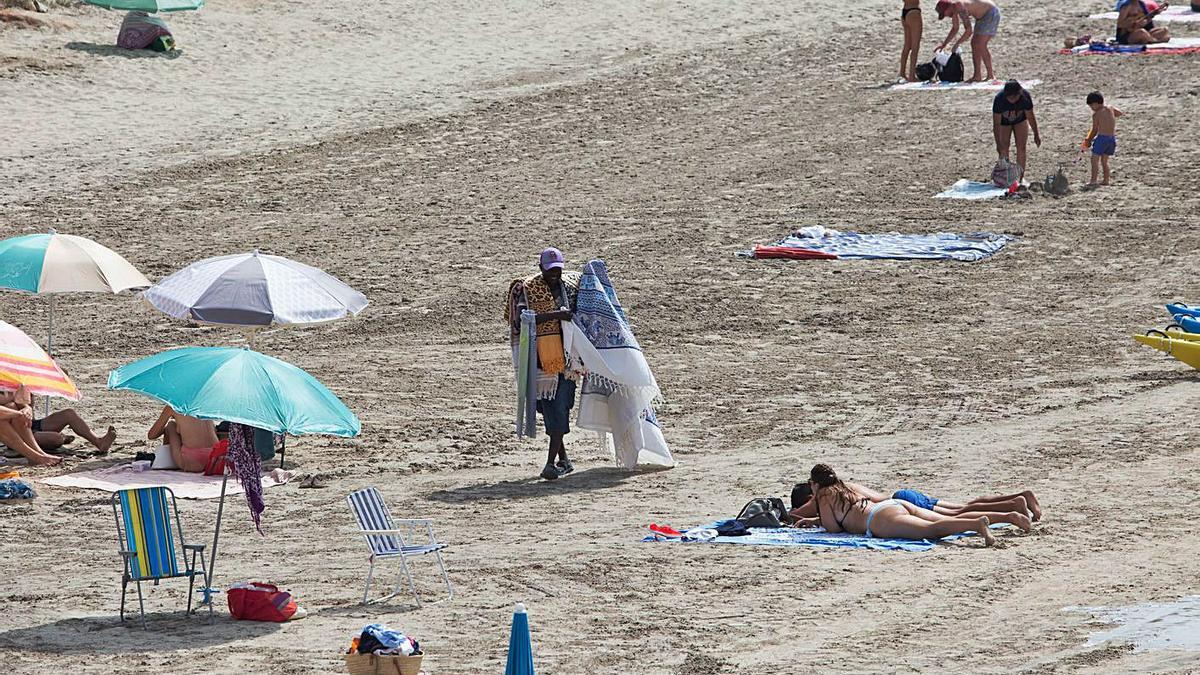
(146, 541)
(385, 540)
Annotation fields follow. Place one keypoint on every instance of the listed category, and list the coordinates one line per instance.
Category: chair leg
(442, 566)
(191, 584)
(370, 575)
(141, 604)
(411, 586)
(124, 585)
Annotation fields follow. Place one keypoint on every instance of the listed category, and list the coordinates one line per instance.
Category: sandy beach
(424, 155)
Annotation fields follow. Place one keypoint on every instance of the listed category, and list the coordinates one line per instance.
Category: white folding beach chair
(386, 540)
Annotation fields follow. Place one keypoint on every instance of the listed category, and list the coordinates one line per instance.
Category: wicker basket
(370, 664)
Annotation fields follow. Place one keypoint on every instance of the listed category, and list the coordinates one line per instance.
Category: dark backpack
(926, 71)
(953, 70)
(763, 512)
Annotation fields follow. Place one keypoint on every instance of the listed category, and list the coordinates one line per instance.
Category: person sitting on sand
(987, 22)
(841, 509)
(1021, 502)
(191, 439)
(1135, 23)
(16, 429)
(48, 430)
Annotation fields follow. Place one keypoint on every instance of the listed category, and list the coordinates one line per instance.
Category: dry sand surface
(662, 138)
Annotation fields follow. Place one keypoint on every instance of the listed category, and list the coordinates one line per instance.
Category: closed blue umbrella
(520, 646)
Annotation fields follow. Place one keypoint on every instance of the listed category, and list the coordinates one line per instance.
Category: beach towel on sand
(1168, 15)
(993, 85)
(789, 536)
(971, 189)
(184, 485)
(618, 386)
(1174, 46)
(854, 246)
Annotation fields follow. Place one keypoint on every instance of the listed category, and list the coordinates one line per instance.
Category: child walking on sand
(1102, 139)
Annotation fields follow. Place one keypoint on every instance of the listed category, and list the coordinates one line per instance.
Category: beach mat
(971, 189)
(993, 85)
(185, 485)
(1174, 46)
(1169, 15)
(817, 537)
(824, 243)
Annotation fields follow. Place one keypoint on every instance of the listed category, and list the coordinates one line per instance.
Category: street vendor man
(552, 295)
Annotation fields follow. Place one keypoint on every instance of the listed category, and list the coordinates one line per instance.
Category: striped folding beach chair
(385, 540)
(146, 539)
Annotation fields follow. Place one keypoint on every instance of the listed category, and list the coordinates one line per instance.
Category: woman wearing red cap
(987, 22)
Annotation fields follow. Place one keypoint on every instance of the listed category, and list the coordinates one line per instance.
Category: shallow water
(1150, 626)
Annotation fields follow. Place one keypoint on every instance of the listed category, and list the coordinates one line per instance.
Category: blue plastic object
(1186, 310)
(520, 646)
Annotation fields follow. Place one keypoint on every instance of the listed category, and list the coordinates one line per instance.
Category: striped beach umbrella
(254, 289)
(22, 362)
(63, 263)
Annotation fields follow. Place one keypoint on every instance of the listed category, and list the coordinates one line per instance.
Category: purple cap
(552, 257)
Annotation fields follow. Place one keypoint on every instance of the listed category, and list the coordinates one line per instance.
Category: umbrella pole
(212, 556)
(50, 347)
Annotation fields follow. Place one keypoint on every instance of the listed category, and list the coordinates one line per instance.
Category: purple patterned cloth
(139, 30)
(244, 459)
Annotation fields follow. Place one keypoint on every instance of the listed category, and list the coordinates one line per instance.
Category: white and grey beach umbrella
(254, 289)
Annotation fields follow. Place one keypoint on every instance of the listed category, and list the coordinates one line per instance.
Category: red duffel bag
(255, 601)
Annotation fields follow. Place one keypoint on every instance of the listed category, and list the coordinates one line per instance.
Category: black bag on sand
(763, 512)
(953, 70)
(926, 71)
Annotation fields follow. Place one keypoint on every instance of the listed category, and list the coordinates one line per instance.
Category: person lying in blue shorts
(1024, 502)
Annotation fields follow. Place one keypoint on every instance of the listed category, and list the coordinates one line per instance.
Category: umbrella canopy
(64, 263)
(151, 6)
(22, 362)
(238, 385)
(253, 289)
(520, 646)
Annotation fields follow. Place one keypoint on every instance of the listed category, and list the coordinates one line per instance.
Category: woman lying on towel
(841, 509)
(1021, 502)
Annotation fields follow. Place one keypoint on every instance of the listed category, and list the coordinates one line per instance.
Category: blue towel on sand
(789, 536)
(854, 246)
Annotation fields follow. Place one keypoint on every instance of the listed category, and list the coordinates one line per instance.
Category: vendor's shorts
(556, 412)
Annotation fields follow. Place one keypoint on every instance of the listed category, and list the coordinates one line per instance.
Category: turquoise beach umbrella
(151, 6)
(238, 385)
(520, 645)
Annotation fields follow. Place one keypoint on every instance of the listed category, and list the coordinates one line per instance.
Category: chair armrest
(128, 554)
(193, 547)
(375, 532)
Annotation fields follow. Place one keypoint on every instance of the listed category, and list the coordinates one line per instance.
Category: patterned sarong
(618, 386)
(246, 468)
(139, 30)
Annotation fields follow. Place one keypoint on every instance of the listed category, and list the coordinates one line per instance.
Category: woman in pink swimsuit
(191, 439)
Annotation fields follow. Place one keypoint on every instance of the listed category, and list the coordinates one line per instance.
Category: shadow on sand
(598, 478)
(165, 631)
(113, 50)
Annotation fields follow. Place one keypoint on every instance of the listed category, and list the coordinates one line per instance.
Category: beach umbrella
(150, 6)
(254, 289)
(237, 385)
(520, 646)
(22, 362)
(62, 263)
